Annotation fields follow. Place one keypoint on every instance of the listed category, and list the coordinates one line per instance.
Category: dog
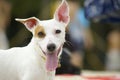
(39, 59)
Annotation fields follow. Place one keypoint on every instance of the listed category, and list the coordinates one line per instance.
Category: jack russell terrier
(39, 59)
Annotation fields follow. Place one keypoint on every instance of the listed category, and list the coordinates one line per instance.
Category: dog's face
(49, 35)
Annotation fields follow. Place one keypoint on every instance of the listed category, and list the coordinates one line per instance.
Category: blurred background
(92, 38)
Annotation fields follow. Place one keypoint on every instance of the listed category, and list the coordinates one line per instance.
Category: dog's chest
(23, 64)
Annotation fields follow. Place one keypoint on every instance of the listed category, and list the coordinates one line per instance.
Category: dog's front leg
(33, 76)
(51, 75)
(28, 77)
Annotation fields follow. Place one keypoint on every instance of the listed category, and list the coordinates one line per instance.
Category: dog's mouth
(52, 59)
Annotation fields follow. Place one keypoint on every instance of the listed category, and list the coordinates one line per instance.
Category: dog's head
(49, 35)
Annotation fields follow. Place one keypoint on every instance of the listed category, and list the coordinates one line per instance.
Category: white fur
(23, 64)
(28, 63)
(51, 37)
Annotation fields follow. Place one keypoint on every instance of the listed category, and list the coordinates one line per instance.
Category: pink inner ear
(63, 13)
(30, 23)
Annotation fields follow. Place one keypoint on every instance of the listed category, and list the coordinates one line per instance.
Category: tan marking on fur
(39, 29)
(67, 29)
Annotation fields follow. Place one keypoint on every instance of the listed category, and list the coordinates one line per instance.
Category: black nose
(51, 47)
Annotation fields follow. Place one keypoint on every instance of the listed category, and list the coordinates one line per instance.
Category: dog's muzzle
(52, 57)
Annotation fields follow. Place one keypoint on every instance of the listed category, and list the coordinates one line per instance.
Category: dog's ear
(30, 23)
(62, 13)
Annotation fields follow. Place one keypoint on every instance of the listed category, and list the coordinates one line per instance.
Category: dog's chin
(52, 59)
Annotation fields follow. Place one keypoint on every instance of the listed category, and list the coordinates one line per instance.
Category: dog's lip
(57, 51)
(43, 51)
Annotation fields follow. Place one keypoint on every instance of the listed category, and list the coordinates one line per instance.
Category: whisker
(69, 44)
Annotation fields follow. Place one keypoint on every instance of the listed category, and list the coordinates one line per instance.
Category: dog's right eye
(41, 34)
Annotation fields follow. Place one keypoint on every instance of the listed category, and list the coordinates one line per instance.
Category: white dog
(39, 59)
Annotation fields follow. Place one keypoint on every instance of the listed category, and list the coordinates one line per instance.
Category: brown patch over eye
(39, 32)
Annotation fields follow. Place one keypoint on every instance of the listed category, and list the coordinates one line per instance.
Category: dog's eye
(58, 31)
(41, 34)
